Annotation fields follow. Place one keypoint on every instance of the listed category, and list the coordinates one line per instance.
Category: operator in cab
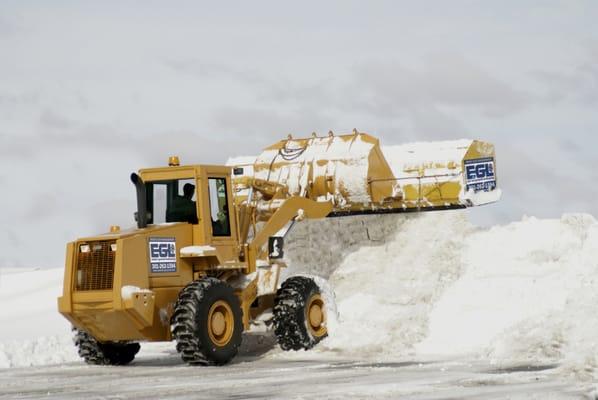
(183, 207)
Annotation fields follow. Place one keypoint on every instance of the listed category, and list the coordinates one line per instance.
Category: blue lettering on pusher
(479, 174)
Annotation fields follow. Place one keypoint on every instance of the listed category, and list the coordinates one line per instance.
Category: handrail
(414, 177)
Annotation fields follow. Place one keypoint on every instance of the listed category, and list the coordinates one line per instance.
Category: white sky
(91, 91)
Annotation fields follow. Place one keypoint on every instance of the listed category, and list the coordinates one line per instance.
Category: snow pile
(550, 279)
(44, 350)
(32, 332)
(318, 247)
(525, 292)
(385, 293)
(513, 273)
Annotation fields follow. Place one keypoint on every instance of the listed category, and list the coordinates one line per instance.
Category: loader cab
(208, 207)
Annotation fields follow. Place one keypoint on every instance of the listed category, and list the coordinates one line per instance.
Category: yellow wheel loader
(205, 258)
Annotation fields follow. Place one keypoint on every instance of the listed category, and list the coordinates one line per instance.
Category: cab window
(219, 207)
(171, 201)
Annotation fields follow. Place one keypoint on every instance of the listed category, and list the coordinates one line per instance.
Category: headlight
(84, 248)
(113, 246)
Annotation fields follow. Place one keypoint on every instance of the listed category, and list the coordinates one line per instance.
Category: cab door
(221, 217)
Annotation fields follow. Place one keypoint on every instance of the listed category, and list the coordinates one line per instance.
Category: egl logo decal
(162, 254)
(480, 175)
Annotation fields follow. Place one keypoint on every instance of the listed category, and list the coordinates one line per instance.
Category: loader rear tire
(299, 314)
(104, 353)
(207, 323)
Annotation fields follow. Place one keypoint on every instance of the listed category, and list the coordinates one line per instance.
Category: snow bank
(32, 332)
(513, 273)
(528, 293)
(318, 247)
(43, 350)
(385, 293)
(552, 313)
(525, 292)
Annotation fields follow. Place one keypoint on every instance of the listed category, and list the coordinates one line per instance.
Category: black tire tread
(184, 323)
(289, 314)
(107, 353)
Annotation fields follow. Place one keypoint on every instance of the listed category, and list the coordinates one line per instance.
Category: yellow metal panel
(167, 173)
(65, 302)
(378, 169)
(96, 296)
(141, 308)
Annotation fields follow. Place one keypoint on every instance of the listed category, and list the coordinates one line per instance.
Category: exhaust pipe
(141, 214)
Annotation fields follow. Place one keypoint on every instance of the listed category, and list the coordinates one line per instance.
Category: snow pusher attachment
(205, 260)
(352, 172)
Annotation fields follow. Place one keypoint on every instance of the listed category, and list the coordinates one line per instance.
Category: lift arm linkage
(291, 207)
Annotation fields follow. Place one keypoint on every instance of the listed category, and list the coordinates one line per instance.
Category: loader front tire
(299, 314)
(104, 353)
(207, 323)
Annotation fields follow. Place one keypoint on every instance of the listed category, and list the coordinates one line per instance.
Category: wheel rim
(316, 316)
(221, 323)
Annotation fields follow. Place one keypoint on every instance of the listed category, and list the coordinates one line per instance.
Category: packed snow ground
(436, 285)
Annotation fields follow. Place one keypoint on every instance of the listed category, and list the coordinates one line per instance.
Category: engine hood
(130, 232)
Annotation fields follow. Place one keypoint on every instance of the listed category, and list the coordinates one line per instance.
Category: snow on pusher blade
(353, 173)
